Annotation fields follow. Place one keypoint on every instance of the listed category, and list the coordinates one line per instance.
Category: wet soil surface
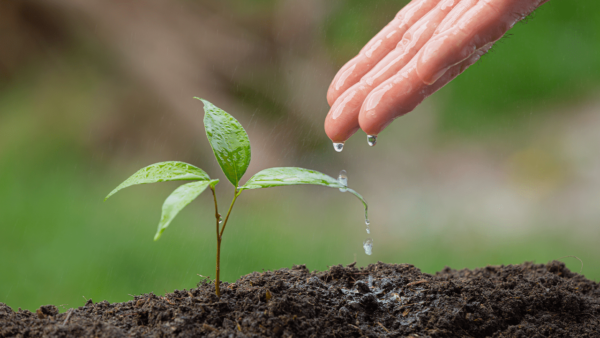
(381, 300)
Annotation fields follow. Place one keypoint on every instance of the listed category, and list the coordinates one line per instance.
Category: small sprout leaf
(277, 177)
(228, 140)
(163, 172)
(181, 197)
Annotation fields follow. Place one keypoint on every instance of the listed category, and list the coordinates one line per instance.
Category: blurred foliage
(527, 69)
(74, 122)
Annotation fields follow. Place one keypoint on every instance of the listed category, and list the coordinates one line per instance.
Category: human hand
(424, 47)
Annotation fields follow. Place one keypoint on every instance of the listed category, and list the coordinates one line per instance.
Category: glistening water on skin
(231, 147)
(425, 46)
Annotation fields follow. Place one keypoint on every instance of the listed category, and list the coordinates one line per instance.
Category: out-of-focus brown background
(501, 166)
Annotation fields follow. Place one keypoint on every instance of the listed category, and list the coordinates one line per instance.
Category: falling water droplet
(220, 221)
(370, 281)
(343, 180)
(338, 146)
(372, 140)
(368, 245)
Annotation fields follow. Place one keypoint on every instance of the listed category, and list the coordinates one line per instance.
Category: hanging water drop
(368, 245)
(338, 146)
(372, 140)
(343, 180)
(220, 220)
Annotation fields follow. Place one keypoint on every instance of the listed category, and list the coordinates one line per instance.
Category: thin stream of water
(368, 243)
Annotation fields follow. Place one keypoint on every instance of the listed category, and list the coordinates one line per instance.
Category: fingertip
(339, 133)
(342, 120)
(370, 123)
(374, 114)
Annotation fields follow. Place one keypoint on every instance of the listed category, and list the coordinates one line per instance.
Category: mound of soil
(381, 300)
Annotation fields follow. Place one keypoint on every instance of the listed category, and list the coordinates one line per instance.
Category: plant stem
(218, 217)
(235, 196)
(219, 238)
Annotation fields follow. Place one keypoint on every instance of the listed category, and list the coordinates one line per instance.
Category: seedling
(231, 147)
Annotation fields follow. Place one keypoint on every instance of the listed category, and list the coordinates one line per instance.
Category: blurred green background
(501, 166)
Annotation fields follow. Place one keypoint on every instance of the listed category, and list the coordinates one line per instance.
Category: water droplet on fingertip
(368, 245)
(338, 146)
(372, 140)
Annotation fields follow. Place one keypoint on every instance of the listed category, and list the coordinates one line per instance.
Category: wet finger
(401, 93)
(485, 22)
(457, 12)
(376, 49)
(342, 120)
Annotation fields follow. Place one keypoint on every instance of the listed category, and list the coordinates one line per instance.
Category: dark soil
(381, 300)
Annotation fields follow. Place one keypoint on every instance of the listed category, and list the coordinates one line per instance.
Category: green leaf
(228, 140)
(277, 177)
(163, 172)
(181, 197)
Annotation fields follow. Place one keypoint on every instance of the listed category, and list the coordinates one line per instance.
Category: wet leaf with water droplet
(163, 172)
(282, 176)
(228, 140)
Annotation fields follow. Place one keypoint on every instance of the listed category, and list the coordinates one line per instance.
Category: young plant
(231, 147)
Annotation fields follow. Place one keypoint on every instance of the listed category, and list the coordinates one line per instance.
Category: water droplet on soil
(343, 180)
(372, 140)
(368, 245)
(338, 146)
